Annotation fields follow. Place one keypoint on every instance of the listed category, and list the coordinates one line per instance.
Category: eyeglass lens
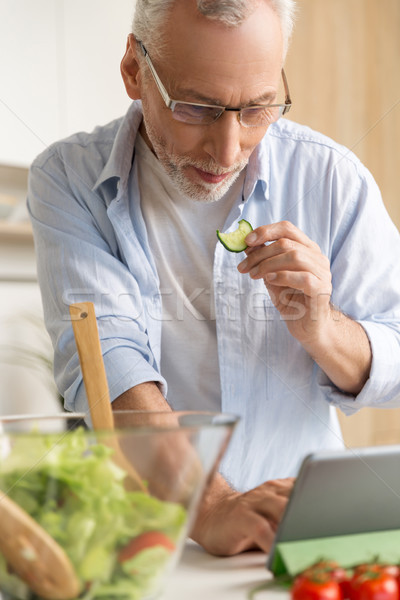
(256, 116)
(191, 113)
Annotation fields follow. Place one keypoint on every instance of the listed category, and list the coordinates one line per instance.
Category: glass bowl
(120, 503)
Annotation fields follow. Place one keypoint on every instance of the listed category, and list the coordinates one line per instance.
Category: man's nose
(223, 140)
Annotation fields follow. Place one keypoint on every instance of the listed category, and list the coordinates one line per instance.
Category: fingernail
(251, 238)
(243, 265)
(254, 272)
(270, 276)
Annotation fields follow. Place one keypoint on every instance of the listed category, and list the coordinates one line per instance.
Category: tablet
(343, 492)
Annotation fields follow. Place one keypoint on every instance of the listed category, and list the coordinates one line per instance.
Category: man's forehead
(219, 83)
(192, 35)
(204, 61)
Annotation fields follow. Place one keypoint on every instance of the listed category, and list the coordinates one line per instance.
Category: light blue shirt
(91, 244)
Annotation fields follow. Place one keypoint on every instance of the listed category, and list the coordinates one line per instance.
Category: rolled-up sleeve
(366, 280)
(79, 259)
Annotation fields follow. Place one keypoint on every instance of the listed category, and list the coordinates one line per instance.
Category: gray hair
(151, 15)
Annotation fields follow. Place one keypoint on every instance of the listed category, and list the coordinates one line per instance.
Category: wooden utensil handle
(33, 554)
(87, 341)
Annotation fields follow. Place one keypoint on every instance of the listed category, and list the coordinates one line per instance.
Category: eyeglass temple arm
(288, 101)
(159, 84)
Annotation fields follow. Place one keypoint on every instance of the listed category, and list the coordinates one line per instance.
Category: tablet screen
(343, 492)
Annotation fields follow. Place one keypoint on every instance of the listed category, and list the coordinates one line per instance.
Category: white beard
(175, 167)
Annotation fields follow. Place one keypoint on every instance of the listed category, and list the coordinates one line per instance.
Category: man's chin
(204, 196)
(205, 192)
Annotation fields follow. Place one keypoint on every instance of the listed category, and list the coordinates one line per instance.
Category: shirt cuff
(383, 385)
(125, 368)
(382, 388)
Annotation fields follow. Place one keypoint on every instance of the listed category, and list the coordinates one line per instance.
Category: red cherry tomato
(143, 541)
(318, 588)
(329, 567)
(374, 584)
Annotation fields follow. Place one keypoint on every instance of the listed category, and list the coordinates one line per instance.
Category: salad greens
(76, 492)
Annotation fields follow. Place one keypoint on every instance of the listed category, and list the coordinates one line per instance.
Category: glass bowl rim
(215, 419)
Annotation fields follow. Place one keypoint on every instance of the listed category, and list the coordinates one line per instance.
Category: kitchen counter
(200, 576)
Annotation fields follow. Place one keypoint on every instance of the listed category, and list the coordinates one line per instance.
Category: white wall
(59, 70)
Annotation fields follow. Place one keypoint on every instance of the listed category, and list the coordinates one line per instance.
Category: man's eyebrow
(195, 96)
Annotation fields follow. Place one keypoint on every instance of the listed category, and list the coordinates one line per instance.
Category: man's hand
(230, 522)
(298, 278)
(296, 274)
(227, 522)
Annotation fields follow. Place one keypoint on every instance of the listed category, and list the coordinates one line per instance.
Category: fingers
(287, 266)
(283, 255)
(262, 509)
(239, 522)
(260, 534)
(283, 252)
(283, 487)
(271, 502)
(276, 231)
(291, 262)
(305, 282)
(268, 499)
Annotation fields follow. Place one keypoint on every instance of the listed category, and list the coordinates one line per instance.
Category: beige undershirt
(182, 237)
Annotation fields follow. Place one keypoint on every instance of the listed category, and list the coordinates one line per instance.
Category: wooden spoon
(87, 341)
(33, 555)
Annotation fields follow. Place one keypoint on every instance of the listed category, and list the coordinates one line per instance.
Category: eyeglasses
(260, 115)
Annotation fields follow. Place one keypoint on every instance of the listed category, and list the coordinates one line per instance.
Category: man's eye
(261, 114)
(195, 113)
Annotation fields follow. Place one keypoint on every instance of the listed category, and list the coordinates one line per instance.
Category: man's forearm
(343, 352)
(145, 396)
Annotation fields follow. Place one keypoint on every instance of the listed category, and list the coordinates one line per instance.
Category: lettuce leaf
(70, 485)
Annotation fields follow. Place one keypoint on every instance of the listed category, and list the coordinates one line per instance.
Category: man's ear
(130, 69)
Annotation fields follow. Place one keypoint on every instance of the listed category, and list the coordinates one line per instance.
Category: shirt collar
(119, 163)
(258, 169)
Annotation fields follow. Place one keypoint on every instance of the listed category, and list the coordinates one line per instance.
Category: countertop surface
(200, 576)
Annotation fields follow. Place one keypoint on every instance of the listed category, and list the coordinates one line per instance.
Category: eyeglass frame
(171, 104)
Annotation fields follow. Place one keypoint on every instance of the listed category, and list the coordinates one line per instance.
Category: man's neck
(143, 133)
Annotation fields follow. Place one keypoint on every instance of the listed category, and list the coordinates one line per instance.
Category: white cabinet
(26, 383)
(59, 70)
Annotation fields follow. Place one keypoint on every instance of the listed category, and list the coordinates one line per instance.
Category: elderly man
(126, 217)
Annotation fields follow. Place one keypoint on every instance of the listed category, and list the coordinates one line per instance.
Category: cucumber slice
(234, 241)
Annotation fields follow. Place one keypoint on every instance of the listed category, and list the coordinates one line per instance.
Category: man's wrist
(342, 349)
(324, 332)
(217, 491)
